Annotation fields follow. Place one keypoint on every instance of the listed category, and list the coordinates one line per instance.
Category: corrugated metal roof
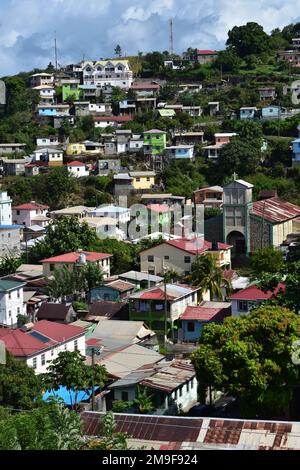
(171, 377)
(275, 210)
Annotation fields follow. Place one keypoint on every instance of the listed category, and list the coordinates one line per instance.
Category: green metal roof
(6, 285)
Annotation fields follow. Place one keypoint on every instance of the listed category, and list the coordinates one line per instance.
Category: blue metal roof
(68, 396)
(11, 226)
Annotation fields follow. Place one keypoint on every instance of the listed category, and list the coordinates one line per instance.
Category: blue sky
(92, 28)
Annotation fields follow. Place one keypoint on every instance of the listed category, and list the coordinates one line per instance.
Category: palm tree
(207, 275)
(143, 401)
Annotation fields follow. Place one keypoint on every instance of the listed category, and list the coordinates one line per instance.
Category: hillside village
(150, 228)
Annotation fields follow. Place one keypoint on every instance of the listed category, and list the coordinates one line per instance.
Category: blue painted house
(114, 291)
(271, 112)
(248, 112)
(180, 151)
(194, 319)
(296, 151)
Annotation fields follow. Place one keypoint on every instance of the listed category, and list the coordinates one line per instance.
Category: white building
(5, 209)
(53, 156)
(41, 79)
(11, 302)
(78, 169)
(47, 94)
(102, 73)
(40, 344)
(31, 214)
(122, 214)
(49, 141)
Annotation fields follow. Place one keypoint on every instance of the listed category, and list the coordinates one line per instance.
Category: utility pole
(93, 383)
(166, 310)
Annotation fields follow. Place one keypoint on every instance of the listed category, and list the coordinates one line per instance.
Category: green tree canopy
(248, 39)
(266, 260)
(240, 156)
(207, 275)
(251, 358)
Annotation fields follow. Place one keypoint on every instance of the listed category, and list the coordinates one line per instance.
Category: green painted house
(155, 142)
(71, 90)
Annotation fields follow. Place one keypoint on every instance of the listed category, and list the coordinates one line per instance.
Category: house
(271, 112)
(206, 56)
(77, 259)
(11, 302)
(113, 73)
(106, 227)
(159, 214)
(136, 144)
(54, 110)
(149, 305)
(267, 93)
(162, 198)
(155, 142)
(210, 197)
(33, 169)
(213, 108)
(12, 148)
(105, 310)
(53, 156)
(47, 94)
(193, 111)
(113, 121)
(41, 79)
(194, 319)
(190, 87)
(31, 213)
(75, 211)
(296, 151)
(167, 113)
(40, 344)
(188, 138)
(5, 208)
(142, 179)
(221, 139)
(179, 255)
(70, 89)
(178, 152)
(248, 112)
(93, 148)
(49, 141)
(121, 361)
(121, 214)
(122, 184)
(10, 236)
(61, 313)
(145, 89)
(104, 166)
(113, 291)
(75, 149)
(78, 169)
(250, 297)
(173, 386)
(141, 280)
(292, 56)
(13, 167)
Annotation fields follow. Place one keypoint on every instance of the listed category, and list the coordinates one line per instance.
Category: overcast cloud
(92, 28)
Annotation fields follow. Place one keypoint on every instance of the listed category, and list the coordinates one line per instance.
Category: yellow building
(75, 149)
(143, 179)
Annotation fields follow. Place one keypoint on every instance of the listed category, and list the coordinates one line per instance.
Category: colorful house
(178, 152)
(71, 90)
(155, 142)
(247, 299)
(248, 112)
(76, 260)
(296, 151)
(143, 179)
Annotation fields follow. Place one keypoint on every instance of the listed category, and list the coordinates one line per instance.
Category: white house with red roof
(247, 299)
(40, 344)
(114, 121)
(31, 213)
(204, 56)
(77, 259)
(78, 169)
(179, 255)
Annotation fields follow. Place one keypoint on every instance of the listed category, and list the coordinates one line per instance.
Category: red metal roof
(195, 245)
(161, 208)
(74, 257)
(275, 210)
(31, 206)
(206, 52)
(113, 118)
(204, 314)
(76, 163)
(254, 293)
(57, 331)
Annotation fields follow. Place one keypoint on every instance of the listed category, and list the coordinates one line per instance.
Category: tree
(64, 235)
(9, 265)
(69, 370)
(92, 277)
(51, 426)
(240, 156)
(118, 50)
(248, 39)
(228, 60)
(124, 254)
(55, 187)
(19, 386)
(250, 357)
(207, 275)
(143, 401)
(266, 260)
(109, 438)
(117, 95)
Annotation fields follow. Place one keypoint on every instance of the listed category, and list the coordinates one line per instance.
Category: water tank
(82, 258)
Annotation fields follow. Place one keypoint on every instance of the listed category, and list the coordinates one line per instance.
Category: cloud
(92, 28)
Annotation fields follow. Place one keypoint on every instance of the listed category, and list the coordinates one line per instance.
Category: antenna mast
(171, 37)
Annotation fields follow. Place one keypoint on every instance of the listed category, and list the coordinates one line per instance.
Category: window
(192, 383)
(188, 387)
(243, 306)
(191, 326)
(9, 295)
(18, 294)
(65, 347)
(76, 345)
(180, 392)
(51, 267)
(150, 259)
(18, 311)
(125, 396)
(151, 271)
(187, 259)
(175, 395)
(148, 178)
(34, 363)
(52, 352)
(18, 212)
(43, 359)
(138, 180)
(166, 257)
